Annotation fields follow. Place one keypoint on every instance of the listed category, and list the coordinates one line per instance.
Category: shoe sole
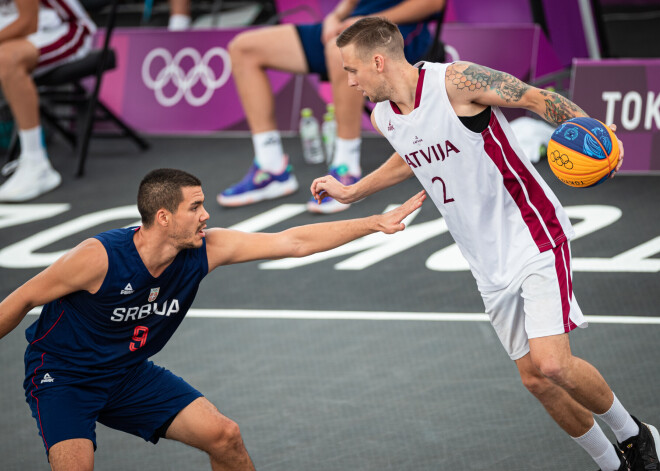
(272, 191)
(655, 435)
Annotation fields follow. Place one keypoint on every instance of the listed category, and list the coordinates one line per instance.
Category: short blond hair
(373, 34)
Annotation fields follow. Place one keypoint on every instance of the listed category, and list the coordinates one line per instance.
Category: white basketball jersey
(497, 207)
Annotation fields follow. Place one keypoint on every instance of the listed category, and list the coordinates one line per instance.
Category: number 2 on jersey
(139, 337)
(444, 189)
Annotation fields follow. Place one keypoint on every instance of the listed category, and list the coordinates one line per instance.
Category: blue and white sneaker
(330, 205)
(259, 185)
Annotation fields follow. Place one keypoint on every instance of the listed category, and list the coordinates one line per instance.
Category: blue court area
(374, 357)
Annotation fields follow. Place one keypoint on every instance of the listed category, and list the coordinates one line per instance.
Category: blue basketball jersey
(129, 319)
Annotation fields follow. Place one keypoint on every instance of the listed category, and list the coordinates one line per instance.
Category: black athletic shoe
(624, 462)
(640, 451)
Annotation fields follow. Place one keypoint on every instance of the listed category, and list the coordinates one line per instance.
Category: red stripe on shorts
(563, 267)
(43, 436)
(61, 41)
(68, 46)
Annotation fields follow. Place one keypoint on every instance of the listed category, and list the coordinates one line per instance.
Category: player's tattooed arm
(479, 79)
(559, 109)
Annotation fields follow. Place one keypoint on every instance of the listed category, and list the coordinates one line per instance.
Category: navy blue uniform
(416, 36)
(87, 358)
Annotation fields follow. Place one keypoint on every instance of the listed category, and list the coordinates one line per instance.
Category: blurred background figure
(302, 49)
(35, 36)
(180, 18)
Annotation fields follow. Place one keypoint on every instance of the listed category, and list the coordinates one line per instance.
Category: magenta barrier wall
(169, 82)
(625, 93)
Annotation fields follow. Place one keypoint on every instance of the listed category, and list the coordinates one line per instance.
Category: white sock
(32, 147)
(347, 152)
(599, 448)
(179, 22)
(268, 151)
(620, 421)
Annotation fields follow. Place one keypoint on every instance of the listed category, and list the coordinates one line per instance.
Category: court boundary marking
(285, 314)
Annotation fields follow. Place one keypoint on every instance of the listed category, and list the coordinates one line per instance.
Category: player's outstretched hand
(618, 165)
(390, 222)
(330, 186)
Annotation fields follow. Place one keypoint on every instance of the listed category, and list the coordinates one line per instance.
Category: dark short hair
(373, 33)
(162, 188)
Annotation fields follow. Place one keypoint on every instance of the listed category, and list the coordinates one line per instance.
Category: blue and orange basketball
(583, 152)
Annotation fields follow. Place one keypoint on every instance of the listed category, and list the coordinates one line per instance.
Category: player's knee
(241, 48)
(535, 383)
(551, 368)
(227, 439)
(7, 63)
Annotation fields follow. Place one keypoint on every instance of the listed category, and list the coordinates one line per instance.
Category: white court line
(381, 316)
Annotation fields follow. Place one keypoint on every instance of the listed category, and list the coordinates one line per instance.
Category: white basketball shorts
(539, 302)
(58, 42)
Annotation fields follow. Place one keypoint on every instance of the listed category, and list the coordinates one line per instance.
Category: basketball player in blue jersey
(116, 299)
(444, 122)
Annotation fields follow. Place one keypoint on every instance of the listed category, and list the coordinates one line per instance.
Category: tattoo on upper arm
(559, 109)
(476, 77)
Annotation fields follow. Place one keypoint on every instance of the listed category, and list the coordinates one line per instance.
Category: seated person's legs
(252, 53)
(34, 174)
(296, 49)
(349, 103)
(20, 59)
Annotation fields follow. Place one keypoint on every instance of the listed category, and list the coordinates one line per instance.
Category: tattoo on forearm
(476, 77)
(559, 109)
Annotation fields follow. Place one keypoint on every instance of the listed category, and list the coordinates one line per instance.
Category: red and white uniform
(64, 32)
(498, 209)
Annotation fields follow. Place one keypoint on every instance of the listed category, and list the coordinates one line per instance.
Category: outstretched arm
(225, 246)
(83, 268)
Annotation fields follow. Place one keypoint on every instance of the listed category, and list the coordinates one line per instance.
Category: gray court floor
(340, 394)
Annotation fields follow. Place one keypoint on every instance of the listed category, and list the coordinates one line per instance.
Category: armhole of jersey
(376, 112)
(205, 258)
(103, 287)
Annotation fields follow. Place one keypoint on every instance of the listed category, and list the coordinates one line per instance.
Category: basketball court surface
(376, 356)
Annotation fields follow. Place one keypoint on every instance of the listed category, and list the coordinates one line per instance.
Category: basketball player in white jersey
(444, 123)
(35, 36)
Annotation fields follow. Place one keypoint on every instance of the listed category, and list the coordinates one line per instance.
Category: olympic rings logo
(184, 81)
(561, 160)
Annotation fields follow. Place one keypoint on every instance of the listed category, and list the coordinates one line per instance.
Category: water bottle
(329, 132)
(311, 137)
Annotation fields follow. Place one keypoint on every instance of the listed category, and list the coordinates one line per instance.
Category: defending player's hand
(618, 165)
(391, 221)
(329, 186)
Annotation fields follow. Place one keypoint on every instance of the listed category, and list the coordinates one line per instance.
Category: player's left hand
(618, 165)
(391, 221)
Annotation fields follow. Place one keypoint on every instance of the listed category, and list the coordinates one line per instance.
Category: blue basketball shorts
(416, 37)
(141, 400)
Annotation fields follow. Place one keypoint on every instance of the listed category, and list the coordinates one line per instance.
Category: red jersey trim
(418, 93)
(536, 209)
